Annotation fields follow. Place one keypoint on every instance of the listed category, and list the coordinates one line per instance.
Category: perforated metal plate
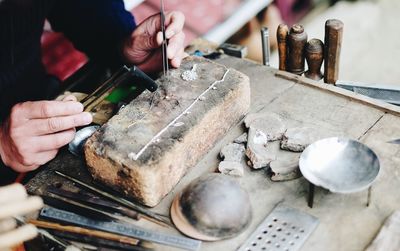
(284, 229)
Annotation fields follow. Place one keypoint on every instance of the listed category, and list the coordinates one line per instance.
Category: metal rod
(265, 45)
(164, 43)
(369, 194)
(118, 199)
(311, 194)
(85, 231)
(98, 211)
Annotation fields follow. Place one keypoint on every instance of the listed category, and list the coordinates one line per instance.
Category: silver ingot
(340, 165)
(76, 145)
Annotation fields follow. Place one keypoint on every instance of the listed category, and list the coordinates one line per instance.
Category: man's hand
(35, 131)
(143, 47)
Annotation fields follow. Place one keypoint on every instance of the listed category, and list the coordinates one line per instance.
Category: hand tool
(164, 44)
(124, 74)
(234, 50)
(395, 141)
(281, 35)
(89, 243)
(118, 228)
(314, 57)
(57, 200)
(84, 231)
(66, 245)
(122, 201)
(284, 228)
(265, 45)
(297, 40)
(384, 92)
(333, 44)
(94, 201)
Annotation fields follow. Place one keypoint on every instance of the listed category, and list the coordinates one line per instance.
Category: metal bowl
(340, 165)
(76, 145)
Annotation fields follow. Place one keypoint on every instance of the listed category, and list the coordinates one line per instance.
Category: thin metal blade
(395, 141)
(164, 43)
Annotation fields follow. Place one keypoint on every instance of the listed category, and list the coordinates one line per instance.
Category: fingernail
(87, 118)
(169, 33)
(78, 107)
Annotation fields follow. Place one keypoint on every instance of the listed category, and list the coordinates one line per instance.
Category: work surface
(345, 221)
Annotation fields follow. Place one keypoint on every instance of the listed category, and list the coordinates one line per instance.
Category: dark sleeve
(95, 27)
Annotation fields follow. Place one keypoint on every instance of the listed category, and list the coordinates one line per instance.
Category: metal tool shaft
(265, 45)
(164, 43)
(117, 199)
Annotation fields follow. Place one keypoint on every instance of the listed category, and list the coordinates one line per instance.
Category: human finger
(47, 109)
(17, 236)
(175, 45)
(176, 61)
(54, 141)
(174, 22)
(69, 98)
(57, 124)
(42, 158)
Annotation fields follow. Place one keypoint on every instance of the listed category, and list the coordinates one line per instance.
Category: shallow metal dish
(340, 165)
(76, 145)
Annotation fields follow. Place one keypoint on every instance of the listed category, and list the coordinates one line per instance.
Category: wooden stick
(333, 45)
(17, 236)
(85, 231)
(281, 36)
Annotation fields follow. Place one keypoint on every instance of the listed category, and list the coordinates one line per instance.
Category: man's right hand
(35, 131)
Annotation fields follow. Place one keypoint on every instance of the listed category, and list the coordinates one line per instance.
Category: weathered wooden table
(345, 221)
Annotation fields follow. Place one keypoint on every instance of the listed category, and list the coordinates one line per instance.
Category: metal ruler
(284, 228)
(119, 228)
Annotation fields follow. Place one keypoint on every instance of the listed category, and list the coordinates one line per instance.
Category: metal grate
(285, 229)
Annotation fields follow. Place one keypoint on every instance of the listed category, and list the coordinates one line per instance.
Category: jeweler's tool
(122, 201)
(94, 201)
(281, 35)
(164, 44)
(47, 235)
(124, 74)
(395, 141)
(122, 229)
(333, 45)
(297, 40)
(84, 231)
(314, 57)
(265, 45)
(57, 200)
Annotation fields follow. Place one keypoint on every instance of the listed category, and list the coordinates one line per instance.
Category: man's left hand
(143, 46)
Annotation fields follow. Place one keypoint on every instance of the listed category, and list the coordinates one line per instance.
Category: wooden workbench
(345, 221)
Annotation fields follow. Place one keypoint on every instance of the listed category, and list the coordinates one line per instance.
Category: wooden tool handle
(297, 40)
(281, 35)
(333, 44)
(84, 231)
(314, 57)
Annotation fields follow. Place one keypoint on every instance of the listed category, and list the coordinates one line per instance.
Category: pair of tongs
(122, 75)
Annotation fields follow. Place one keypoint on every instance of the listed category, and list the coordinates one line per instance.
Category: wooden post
(333, 44)
(297, 40)
(314, 57)
(281, 35)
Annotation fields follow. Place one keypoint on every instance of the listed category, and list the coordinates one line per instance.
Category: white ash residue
(190, 75)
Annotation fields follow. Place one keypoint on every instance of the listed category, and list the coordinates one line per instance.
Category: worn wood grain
(345, 222)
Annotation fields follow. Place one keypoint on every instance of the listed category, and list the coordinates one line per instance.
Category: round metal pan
(340, 165)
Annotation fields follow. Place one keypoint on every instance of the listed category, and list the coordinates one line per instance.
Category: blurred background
(370, 49)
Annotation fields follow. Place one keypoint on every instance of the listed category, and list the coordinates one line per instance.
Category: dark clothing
(96, 27)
